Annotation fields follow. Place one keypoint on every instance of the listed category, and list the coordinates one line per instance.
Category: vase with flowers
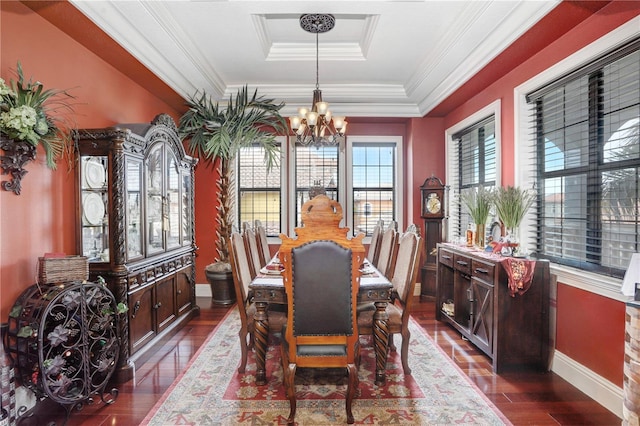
(512, 204)
(31, 116)
(478, 202)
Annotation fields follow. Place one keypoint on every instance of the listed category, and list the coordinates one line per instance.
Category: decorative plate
(368, 269)
(271, 270)
(94, 174)
(93, 208)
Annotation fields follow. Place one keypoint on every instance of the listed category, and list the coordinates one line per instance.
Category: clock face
(433, 203)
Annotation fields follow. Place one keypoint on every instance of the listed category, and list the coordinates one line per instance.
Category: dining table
(268, 288)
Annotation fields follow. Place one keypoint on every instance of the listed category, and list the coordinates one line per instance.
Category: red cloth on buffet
(520, 273)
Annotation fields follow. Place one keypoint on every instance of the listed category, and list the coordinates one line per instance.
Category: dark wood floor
(525, 398)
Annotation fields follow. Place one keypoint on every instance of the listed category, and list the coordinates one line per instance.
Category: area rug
(211, 392)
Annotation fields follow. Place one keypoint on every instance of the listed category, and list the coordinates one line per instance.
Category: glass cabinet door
(187, 212)
(155, 201)
(94, 198)
(134, 214)
(173, 202)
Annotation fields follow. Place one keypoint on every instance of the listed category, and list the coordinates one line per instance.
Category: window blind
(474, 162)
(587, 127)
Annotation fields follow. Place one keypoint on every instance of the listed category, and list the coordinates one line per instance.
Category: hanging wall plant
(31, 116)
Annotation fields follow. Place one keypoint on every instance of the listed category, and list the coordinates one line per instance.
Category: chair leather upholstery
(322, 301)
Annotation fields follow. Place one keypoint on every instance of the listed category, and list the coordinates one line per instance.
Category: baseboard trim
(595, 386)
(203, 290)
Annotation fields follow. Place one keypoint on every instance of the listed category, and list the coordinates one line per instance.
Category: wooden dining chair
(241, 279)
(263, 243)
(374, 246)
(321, 329)
(386, 253)
(404, 282)
(251, 245)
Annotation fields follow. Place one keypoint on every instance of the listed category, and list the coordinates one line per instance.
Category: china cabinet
(63, 340)
(136, 227)
(472, 295)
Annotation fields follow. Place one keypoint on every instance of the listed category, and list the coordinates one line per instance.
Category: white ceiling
(383, 58)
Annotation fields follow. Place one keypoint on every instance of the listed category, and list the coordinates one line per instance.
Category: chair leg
(351, 390)
(404, 351)
(252, 341)
(243, 350)
(392, 347)
(290, 389)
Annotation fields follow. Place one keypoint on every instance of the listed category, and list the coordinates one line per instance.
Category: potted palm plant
(512, 204)
(478, 202)
(216, 134)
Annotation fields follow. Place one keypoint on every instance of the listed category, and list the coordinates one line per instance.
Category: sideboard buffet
(136, 227)
(472, 295)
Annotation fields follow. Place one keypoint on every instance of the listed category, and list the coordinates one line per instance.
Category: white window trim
(283, 184)
(525, 141)
(399, 188)
(451, 150)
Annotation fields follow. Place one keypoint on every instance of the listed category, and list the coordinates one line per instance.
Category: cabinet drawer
(482, 270)
(462, 263)
(445, 257)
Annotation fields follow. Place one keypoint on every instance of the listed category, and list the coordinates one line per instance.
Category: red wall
(590, 328)
(42, 218)
(111, 87)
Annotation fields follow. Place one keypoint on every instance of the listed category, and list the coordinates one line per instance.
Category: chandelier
(316, 126)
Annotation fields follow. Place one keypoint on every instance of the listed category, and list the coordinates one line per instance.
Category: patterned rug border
(320, 405)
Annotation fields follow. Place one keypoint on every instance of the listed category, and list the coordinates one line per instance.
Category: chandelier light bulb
(295, 123)
(312, 118)
(322, 107)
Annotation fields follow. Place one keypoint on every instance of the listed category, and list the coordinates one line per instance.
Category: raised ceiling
(382, 59)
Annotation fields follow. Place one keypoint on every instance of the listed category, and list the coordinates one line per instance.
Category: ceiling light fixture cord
(317, 63)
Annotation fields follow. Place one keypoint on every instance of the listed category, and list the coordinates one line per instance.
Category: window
(374, 182)
(368, 185)
(315, 167)
(373, 172)
(473, 153)
(586, 129)
(259, 192)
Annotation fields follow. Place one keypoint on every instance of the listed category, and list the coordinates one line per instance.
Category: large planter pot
(222, 289)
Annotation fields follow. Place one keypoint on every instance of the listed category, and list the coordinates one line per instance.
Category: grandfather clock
(433, 210)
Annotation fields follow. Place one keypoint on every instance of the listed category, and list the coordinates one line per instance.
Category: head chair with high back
(321, 214)
(241, 279)
(321, 329)
(388, 245)
(404, 281)
(263, 242)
